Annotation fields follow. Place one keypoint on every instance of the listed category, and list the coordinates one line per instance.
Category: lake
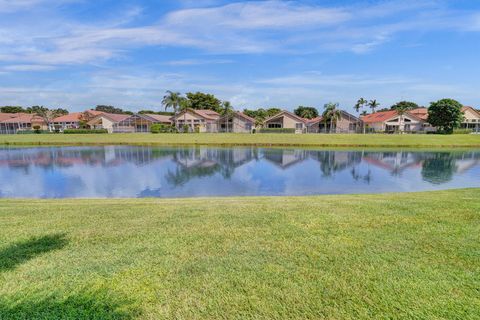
(127, 171)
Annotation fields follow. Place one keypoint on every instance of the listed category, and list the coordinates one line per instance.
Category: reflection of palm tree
(439, 168)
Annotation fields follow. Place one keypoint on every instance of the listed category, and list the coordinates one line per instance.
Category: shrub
(33, 131)
(462, 131)
(84, 131)
(185, 128)
(162, 128)
(276, 130)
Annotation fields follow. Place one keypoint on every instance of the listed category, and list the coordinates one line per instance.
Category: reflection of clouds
(98, 172)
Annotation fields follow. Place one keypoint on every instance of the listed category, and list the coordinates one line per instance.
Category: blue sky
(80, 53)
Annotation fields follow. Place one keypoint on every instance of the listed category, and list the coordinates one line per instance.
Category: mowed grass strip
(231, 139)
(388, 256)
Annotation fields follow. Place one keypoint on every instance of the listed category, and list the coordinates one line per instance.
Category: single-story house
(140, 123)
(73, 120)
(201, 120)
(111, 122)
(236, 122)
(391, 121)
(287, 120)
(471, 119)
(347, 123)
(11, 123)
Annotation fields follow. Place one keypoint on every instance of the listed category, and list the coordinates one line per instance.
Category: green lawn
(320, 140)
(391, 256)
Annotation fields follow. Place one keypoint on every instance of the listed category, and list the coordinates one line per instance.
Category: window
(274, 125)
(352, 126)
(299, 126)
(248, 126)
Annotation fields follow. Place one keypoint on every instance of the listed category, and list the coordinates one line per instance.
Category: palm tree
(360, 104)
(331, 114)
(183, 105)
(227, 112)
(172, 100)
(401, 110)
(373, 104)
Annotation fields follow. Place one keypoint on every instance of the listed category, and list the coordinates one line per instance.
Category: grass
(390, 256)
(219, 139)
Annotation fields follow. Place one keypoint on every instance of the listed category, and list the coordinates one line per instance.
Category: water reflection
(122, 171)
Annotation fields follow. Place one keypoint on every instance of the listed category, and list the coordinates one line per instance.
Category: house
(11, 123)
(287, 120)
(347, 123)
(390, 121)
(73, 120)
(471, 119)
(236, 122)
(197, 120)
(140, 123)
(111, 122)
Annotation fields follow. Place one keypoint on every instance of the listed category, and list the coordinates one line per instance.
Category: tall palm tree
(172, 100)
(360, 104)
(227, 112)
(373, 104)
(401, 110)
(331, 114)
(183, 105)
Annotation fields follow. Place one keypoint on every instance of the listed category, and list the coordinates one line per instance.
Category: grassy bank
(319, 140)
(336, 257)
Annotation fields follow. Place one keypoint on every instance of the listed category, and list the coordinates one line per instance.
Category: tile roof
(293, 115)
(24, 118)
(380, 116)
(160, 118)
(6, 116)
(71, 117)
(207, 114)
(421, 113)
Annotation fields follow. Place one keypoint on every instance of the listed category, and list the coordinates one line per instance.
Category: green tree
(405, 105)
(109, 109)
(445, 114)
(373, 104)
(331, 114)
(227, 112)
(272, 111)
(306, 112)
(46, 114)
(200, 100)
(172, 100)
(12, 109)
(361, 103)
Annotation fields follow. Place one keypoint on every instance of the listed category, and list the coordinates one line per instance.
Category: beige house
(287, 120)
(236, 122)
(346, 124)
(111, 122)
(471, 119)
(73, 120)
(390, 121)
(197, 120)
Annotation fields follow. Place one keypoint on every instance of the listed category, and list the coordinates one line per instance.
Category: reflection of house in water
(284, 158)
(67, 157)
(201, 162)
(467, 160)
(335, 161)
(395, 162)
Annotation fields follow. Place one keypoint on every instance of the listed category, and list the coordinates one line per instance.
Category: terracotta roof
(24, 118)
(241, 114)
(379, 116)
(159, 117)
(208, 114)
(293, 115)
(421, 113)
(71, 117)
(115, 117)
(94, 112)
(6, 116)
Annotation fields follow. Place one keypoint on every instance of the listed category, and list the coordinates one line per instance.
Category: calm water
(120, 171)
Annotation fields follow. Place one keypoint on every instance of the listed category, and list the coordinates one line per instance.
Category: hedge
(162, 128)
(276, 130)
(462, 131)
(84, 131)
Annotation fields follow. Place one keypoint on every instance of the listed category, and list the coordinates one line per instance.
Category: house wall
(287, 122)
(194, 120)
(104, 123)
(237, 124)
